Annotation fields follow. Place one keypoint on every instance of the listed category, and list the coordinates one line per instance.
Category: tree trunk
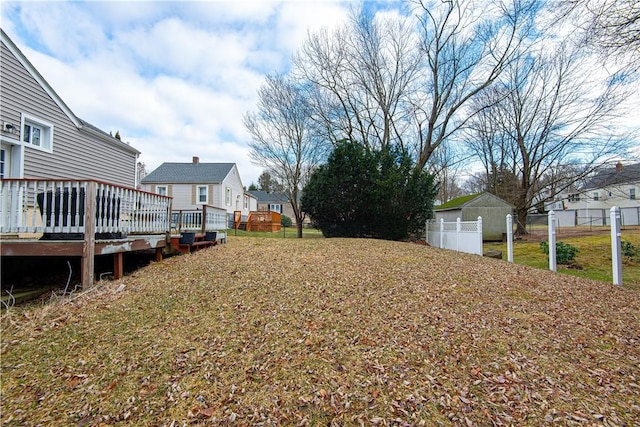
(299, 227)
(521, 225)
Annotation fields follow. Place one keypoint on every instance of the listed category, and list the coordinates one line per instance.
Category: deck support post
(118, 265)
(158, 254)
(89, 247)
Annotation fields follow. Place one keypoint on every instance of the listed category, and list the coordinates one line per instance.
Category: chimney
(618, 167)
(196, 160)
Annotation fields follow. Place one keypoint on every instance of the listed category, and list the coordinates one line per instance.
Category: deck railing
(268, 221)
(215, 219)
(65, 206)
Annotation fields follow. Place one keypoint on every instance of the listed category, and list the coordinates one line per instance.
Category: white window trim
(206, 195)
(246, 202)
(46, 140)
(278, 207)
(166, 190)
(227, 196)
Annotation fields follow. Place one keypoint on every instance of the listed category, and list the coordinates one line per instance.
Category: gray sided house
(42, 138)
(195, 184)
(492, 209)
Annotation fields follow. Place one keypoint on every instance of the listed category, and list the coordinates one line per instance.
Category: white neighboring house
(195, 184)
(616, 186)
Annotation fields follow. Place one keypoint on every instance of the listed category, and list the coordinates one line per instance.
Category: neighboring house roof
(80, 124)
(461, 202)
(266, 197)
(614, 176)
(189, 173)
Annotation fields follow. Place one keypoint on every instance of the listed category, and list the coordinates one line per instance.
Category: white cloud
(174, 78)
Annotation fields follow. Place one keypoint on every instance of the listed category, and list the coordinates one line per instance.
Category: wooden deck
(80, 218)
(265, 221)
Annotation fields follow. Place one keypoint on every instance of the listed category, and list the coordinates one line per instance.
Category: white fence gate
(461, 236)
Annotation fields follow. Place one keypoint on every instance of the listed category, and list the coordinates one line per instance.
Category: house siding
(77, 154)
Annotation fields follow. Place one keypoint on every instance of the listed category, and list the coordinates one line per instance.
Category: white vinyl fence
(615, 219)
(461, 236)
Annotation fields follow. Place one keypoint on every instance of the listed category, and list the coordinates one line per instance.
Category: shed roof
(461, 202)
(186, 173)
(458, 202)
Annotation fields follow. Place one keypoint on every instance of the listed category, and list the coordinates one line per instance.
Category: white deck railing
(215, 219)
(61, 206)
(461, 236)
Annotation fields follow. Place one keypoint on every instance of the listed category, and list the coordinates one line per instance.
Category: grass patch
(285, 233)
(326, 331)
(593, 258)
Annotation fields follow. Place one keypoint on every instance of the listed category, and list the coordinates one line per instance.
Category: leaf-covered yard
(321, 331)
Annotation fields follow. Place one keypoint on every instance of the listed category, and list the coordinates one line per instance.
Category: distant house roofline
(189, 173)
(617, 175)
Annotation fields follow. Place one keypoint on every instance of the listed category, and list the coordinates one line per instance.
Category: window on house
(227, 196)
(161, 190)
(596, 197)
(246, 202)
(275, 208)
(632, 193)
(202, 194)
(574, 197)
(37, 133)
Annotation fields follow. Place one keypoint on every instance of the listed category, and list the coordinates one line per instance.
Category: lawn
(327, 332)
(593, 260)
(285, 233)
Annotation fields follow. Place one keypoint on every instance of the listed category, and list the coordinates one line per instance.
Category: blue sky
(174, 78)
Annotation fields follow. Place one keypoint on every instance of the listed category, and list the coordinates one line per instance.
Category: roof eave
(13, 48)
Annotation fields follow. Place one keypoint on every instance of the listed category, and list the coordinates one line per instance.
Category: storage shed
(492, 209)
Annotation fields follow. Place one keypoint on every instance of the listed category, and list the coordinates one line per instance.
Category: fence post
(552, 240)
(616, 250)
(480, 235)
(426, 232)
(441, 233)
(458, 228)
(509, 238)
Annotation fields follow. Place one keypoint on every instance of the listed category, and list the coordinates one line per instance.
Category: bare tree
(446, 166)
(282, 142)
(611, 27)
(362, 74)
(404, 82)
(547, 111)
(466, 52)
(141, 172)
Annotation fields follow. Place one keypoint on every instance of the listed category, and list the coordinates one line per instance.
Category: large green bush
(368, 193)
